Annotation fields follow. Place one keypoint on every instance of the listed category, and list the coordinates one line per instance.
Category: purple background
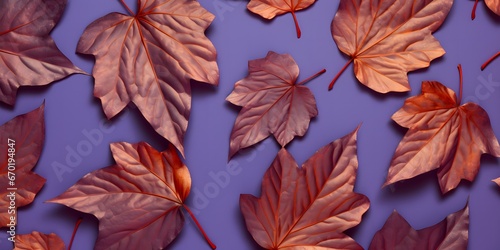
(240, 36)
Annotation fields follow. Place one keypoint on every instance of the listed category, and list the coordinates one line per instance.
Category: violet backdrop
(72, 112)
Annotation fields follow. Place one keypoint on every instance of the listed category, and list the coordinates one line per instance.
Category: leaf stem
(126, 7)
(297, 27)
(473, 14)
(485, 64)
(74, 232)
(311, 77)
(330, 87)
(212, 245)
(460, 90)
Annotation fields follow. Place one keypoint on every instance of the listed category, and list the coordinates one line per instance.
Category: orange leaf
(270, 8)
(308, 207)
(388, 38)
(38, 241)
(442, 135)
(451, 233)
(21, 143)
(150, 58)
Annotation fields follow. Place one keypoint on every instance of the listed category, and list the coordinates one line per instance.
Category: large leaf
(137, 201)
(21, 143)
(308, 207)
(442, 135)
(149, 58)
(493, 5)
(450, 233)
(28, 55)
(388, 38)
(270, 8)
(38, 241)
(273, 103)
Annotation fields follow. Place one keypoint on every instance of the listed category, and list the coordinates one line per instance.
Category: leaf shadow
(492, 17)
(87, 58)
(405, 189)
(354, 232)
(202, 89)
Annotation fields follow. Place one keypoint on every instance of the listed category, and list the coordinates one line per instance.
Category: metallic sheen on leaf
(38, 241)
(272, 101)
(450, 233)
(28, 54)
(137, 201)
(28, 132)
(388, 38)
(150, 59)
(308, 207)
(442, 135)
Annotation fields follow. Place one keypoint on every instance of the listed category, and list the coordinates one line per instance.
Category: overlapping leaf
(270, 8)
(442, 135)
(450, 233)
(26, 133)
(149, 58)
(38, 241)
(273, 103)
(137, 201)
(308, 207)
(28, 55)
(388, 38)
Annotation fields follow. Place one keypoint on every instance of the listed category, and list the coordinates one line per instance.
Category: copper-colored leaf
(497, 181)
(270, 8)
(450, 233)
(493, 5)
(442, 135)
(388, 38)
(137, 201)
(38, 241)
(149, 58)
(28, 54)
(25, 134)
(308, 207)
(272, 101)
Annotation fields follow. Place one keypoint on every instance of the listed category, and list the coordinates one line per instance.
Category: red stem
(297, 27)
(490, 60)
(312, 77)
(212, 245)
(74, 232)
(473, 14)
(330, 87)
(126, 7)
(460, 90)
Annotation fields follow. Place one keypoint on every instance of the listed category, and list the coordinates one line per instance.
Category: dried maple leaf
(21, 142)
(450, 233)
(38, 241)
(272, 101)
(138, 201)
(149, 58)
(388, 38)
(270, 8)
(308, 207)
(493, 5)
(442, 135)
(29, 55)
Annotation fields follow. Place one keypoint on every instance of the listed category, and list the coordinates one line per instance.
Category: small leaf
(29, 55)
(137, 201)
(388, 38)
(38, 241)
(270, 8)
(308, 207)
(272, 101)
(451, 233)
(150, 58)
(21, 143)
